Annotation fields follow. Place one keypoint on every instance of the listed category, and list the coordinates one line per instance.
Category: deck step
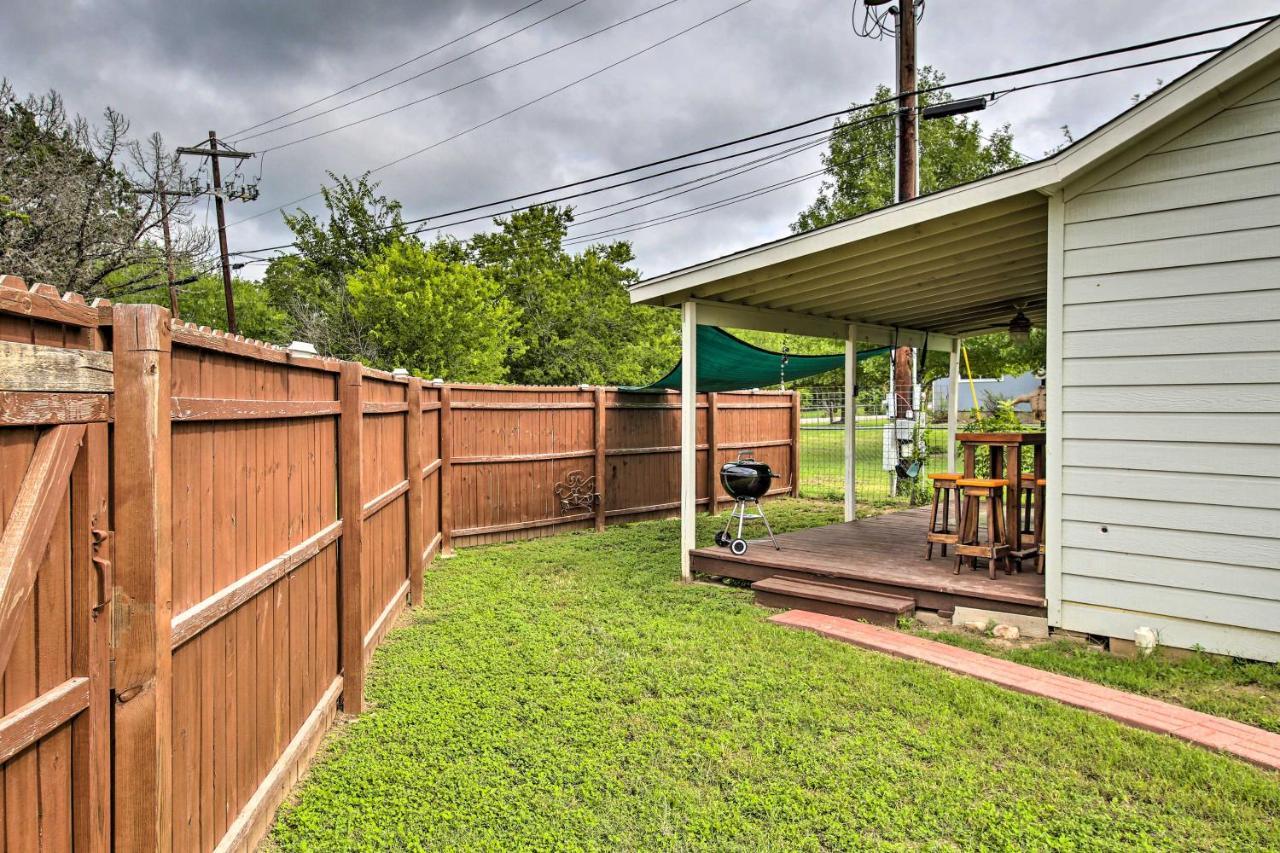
(878, 608)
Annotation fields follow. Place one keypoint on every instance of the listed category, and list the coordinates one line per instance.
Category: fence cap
(303, 347)
(437, 381)
(399, 371)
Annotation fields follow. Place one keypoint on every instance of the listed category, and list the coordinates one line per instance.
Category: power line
(625, 228)
(528, 103)
(607, 187)
(410, 79)
(410, 61)
(425, 219)
(702, 182)
(694, 211)
(1208, 50)
(801, 123)
(740, 169)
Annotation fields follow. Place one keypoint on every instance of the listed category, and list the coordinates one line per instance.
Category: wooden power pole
(906, 174)
(908, 121)
(215, 152)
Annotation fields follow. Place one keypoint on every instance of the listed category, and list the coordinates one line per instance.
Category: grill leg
(768, 527)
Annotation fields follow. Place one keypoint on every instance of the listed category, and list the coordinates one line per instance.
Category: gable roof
(908, 264)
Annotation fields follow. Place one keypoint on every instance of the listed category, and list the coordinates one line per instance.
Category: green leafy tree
(431, 315)
(859, 160)
(310, 287)
(202, 302)
(576, 321)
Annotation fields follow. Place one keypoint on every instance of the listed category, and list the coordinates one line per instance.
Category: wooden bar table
(1006, 455)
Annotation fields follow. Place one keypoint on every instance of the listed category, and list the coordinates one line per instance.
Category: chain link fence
(822, 429)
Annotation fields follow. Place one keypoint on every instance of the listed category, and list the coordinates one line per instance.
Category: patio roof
(956, 262)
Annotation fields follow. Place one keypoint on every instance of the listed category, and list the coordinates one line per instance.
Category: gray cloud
(183, 68)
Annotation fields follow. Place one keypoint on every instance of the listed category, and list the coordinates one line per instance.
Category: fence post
(413, 470)
(446, 471)
(142, 596)
(351, 505)
(795, 444)
(600, 459)
(713, 452)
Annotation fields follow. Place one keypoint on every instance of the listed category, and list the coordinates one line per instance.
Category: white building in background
(1004, 388)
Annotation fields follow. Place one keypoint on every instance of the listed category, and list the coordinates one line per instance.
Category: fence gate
(55, 573)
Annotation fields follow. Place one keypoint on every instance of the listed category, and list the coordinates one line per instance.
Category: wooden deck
(882, 554)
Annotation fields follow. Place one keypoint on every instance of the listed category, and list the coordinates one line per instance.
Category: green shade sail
(726, 363)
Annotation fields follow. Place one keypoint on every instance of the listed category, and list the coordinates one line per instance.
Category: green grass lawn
(569, 693)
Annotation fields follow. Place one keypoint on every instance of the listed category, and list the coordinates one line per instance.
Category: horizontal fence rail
(238, 526)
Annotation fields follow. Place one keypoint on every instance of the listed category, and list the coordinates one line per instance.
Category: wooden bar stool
(944, 486)
(1031, 521)
(971, 544)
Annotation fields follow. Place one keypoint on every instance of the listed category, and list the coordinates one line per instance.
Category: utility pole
(908, 122)
(907, 176)
(906, 173)
(215, 152)
(162, 194)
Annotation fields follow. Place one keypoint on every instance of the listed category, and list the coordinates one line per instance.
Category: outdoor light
(954, 108)
(1020, 328)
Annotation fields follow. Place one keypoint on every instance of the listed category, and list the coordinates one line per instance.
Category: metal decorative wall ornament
(578, 491)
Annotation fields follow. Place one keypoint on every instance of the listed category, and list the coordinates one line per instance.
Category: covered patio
(927, 274)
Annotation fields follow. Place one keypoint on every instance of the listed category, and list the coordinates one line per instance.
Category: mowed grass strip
(569, 693)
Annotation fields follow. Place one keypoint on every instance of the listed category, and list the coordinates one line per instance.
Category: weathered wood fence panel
(512, 446)
(255, 571)
(273, 513)
(55, 572)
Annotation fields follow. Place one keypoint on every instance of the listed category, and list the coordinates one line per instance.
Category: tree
(72, 214)
(576, 322)
(310, 287)
(432, 316)
(860, 157)
(202, 302)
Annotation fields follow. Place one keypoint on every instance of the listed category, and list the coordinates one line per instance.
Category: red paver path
(1252, 744)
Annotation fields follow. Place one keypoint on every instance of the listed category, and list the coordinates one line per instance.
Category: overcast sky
(183, 68)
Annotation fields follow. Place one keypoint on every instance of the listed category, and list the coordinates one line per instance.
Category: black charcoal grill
(746, 481)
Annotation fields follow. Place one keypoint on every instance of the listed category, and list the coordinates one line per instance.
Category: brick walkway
(1252, 744)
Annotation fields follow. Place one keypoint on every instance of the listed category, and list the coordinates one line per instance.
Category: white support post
(850, 422)
(688, 436)
(953, 404)
(1053, 564)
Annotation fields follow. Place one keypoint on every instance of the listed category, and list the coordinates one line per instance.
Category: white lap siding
(1170, 376)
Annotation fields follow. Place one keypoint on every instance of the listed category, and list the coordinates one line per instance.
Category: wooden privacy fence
(204, 539)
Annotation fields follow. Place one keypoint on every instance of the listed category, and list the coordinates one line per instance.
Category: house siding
(1169, 343)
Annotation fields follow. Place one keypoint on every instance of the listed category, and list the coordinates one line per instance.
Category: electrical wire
(694, 211)
(1205, 52)
(433, 68)
(701, 183)
(741, 169)
(410, 61)
(801, 123)
(607, 187)
(620, 229)
(526, 104)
